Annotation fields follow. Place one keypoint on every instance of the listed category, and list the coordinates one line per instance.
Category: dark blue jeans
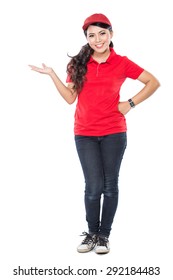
(100, 159)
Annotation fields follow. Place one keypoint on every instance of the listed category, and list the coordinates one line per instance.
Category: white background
(41, 182)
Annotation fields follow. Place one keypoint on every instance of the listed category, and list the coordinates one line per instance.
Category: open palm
(44, 70)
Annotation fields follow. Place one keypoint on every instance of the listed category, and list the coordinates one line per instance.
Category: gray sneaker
(102, 246)
(88, 243)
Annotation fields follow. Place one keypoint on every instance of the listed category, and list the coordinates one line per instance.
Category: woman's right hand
(44, 70)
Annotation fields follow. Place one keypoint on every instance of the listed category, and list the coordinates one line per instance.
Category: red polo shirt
(97, 111)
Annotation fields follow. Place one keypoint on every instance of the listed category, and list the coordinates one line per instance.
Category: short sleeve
(132, 70)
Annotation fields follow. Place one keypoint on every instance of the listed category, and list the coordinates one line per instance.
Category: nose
(98, 39)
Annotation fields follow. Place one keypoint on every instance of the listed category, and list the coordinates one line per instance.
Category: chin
(100, 50)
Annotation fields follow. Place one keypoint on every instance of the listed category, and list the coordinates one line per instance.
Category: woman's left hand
(124, 107)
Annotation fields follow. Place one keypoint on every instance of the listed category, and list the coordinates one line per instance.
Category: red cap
(95, 18)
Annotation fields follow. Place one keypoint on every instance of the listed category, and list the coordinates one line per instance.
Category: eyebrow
(95, 33)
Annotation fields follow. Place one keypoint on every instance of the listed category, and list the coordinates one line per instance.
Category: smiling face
(99, 39)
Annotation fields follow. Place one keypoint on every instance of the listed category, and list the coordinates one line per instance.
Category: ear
(112, 34)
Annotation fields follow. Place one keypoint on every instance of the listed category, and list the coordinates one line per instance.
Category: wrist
(132, 104)
(51, 73)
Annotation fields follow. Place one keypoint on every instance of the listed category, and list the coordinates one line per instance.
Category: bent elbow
(157, 84)
(70, 101)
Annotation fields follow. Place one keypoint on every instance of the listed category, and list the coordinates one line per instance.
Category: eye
(91, 35)
(102, 33)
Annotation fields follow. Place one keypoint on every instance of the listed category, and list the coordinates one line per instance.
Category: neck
(101, 57)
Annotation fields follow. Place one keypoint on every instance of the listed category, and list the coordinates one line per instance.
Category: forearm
(150, 86)
(68, 94)
(146, 92)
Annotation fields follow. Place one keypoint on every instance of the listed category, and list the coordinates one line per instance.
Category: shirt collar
(109, 59)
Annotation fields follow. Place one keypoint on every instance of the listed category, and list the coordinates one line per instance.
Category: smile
(99, 46)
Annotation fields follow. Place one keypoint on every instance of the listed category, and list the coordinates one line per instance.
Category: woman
(95, 76)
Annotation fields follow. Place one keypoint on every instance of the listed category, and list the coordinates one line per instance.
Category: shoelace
(88, 238)
(102, 241)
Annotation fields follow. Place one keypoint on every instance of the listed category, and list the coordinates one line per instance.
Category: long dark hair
(77, 66)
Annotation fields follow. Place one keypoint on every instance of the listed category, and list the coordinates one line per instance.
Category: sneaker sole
(84, 251)
(102, 251)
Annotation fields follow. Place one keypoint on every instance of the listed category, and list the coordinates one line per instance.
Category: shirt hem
(99, 134)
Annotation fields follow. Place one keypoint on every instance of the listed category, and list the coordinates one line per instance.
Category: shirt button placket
(97, 71)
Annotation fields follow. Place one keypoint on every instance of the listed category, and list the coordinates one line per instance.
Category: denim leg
(100, 159)
(89, 153)
(112, 150)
